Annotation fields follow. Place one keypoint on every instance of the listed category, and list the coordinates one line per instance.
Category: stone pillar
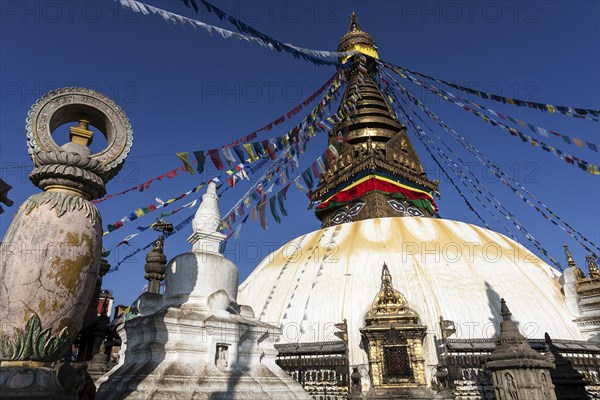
(156, 266)
(51, 252)
(518, 371)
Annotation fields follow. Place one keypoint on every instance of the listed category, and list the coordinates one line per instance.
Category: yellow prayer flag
(250, 151)
(184, 158)
(550, 108)
(578, 142)
(139, 212)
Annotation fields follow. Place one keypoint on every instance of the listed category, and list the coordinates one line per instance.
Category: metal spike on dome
(354, 26)
(592, 267)
(570, 261)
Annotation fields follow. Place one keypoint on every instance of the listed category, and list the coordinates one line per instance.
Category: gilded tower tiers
(378, 172)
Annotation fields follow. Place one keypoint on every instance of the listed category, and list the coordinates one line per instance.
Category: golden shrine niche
(394, 340)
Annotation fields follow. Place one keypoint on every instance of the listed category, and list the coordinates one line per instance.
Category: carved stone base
(174, 354)
(31, 383)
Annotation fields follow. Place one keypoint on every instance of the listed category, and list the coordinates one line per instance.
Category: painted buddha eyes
(396, 205)
(346, 216)
(414, 211)
(339, 217)
(410, 211)
(356, 207)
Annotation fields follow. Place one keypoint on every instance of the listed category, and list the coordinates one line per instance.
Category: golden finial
(80, 134)
(386, 278)
(592, 267)
(570, 261)
(357, 40)
(388, 300)
(354, 26)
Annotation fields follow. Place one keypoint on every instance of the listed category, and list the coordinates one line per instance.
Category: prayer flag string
(564, 110)
(533, 128)
(421, 135)
(474, 186)
(334, 82)
(142, 211)
(317, 57)
(504, 178)
(569, 159)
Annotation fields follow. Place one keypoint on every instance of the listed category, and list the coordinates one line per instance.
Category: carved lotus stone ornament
(51, 252)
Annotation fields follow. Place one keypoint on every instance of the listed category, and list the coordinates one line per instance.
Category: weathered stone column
(51, 253)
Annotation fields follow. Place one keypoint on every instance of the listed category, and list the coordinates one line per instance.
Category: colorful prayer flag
(186, 163)
(216, 159)
(200, 159)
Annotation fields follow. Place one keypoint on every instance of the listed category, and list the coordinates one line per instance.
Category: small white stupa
(195, 341)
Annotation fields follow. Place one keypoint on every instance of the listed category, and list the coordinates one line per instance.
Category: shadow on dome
(494, 304)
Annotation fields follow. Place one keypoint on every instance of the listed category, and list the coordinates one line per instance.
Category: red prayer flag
(216, 159)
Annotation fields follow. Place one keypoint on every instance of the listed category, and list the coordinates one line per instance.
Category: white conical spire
(206, 237)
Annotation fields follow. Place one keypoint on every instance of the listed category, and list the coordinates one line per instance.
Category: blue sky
(184, 90)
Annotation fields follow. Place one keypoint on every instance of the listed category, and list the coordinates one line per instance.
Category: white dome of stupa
(444, 268)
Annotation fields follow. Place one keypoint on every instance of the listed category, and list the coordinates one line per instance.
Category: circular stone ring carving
(70, 105)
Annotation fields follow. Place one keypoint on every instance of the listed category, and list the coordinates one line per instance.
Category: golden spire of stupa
(374, 150)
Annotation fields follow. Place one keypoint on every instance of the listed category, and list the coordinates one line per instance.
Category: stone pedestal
(196, 342)
(31, 381)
